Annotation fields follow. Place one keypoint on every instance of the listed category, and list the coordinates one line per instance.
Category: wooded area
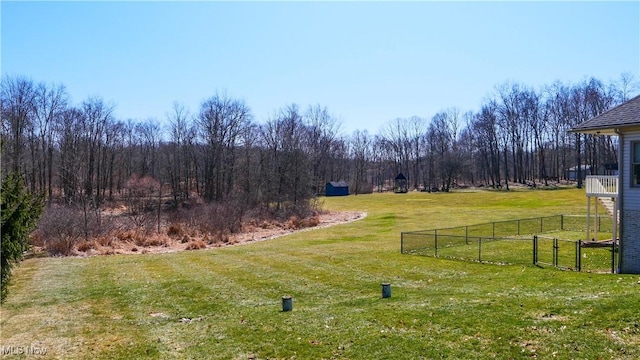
(84, 156)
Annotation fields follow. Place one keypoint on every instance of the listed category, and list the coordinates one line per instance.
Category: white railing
(602, 185)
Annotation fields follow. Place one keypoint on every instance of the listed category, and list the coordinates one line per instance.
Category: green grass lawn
(226, 303)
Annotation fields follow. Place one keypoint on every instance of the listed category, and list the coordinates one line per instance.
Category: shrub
(108, 251)
(105, 240)
(147, 241)
(174, 230)
(219, 238)
(196, 245)
(294, 223)
(85, 246)
(311, 222)
(225, 216)
(61, 228)
(130, 236)
(19, 211)
(142, 198)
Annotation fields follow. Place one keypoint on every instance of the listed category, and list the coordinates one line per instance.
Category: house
(336, 188)
(622, 121)
(572, 172)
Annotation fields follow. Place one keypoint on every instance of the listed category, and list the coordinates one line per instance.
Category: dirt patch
(163, 243)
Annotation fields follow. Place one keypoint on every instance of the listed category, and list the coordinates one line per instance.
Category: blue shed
(336, 188)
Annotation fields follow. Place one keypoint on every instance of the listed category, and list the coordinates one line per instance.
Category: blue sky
(367, 62)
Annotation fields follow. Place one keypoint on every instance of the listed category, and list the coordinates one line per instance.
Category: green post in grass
(287, 303)
(386, 290)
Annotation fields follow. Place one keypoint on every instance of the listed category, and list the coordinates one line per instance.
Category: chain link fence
(543, 241)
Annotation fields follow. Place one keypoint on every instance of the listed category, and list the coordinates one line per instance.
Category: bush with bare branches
(141, 197)
(59, 229)
(196, 245)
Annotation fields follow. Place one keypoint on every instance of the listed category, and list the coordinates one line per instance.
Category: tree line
(84, 155)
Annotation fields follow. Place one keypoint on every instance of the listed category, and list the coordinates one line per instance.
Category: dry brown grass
(129, 236)
(264, 224)
(153, 240)
(175, 230)
(107, 251)
(196, 245)
(311, 222)
(61, 232)
(61, 247)
(105, 241)
(85, 246)
(293, 223)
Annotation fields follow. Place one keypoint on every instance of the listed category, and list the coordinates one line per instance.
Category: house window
(635, 164)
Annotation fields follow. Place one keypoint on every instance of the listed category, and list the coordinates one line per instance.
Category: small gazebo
(401, 185)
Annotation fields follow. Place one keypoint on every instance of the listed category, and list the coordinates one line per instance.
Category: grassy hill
(226, 303)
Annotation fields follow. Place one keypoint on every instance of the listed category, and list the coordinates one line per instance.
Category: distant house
(622, 121)
(336, 188)
(606, 169)
(572, 172)
(401, 185)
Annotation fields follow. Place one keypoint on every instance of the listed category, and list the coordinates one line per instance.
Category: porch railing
(602, 185)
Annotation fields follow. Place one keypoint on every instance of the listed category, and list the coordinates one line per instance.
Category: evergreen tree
(19, 211)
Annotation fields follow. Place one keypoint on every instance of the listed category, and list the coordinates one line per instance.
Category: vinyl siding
(631, 195)
(630, 212)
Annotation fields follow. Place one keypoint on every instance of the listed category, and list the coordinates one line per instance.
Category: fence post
(579, 255)
(535, 249)
(613, 255)
(435, 238)
(561, 222)
(466, 234)
(555, 252)
(518, 227)
(479, 249)
(401, 243)
(493, 235)
(541, 230)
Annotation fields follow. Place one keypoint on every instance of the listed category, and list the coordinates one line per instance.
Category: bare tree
(322, 133)
(179, 152)
(509, 95)
(486, 129)
(222, 120)
(443, 138)
(97, 116)
(468, 153)
(557, 110)
(17, 101)
(285, 164)
(416, 130)
(361, 156)
(69, 134)
(396, 136)
(627, 85)
(50, 103)
(149, 135)
(142, 193)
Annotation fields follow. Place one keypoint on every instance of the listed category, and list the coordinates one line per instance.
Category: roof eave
(597, 131)
(607, 130)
